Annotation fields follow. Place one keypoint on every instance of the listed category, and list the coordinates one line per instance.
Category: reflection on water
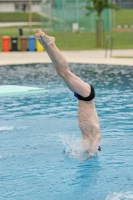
(35, 130)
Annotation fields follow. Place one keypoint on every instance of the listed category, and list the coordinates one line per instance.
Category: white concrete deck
(85, 56)
(18, 24)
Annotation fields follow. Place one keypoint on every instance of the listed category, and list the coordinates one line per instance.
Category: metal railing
(106, 45)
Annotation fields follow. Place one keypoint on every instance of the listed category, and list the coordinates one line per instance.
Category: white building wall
(36, 7)
(10, 7)
(7, 7)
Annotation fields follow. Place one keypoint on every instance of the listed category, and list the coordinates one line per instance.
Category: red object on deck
(5, 43)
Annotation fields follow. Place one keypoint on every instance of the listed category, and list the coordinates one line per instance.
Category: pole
(64, 22)
(51, 15)
(64, 14)
(77, 11)
(114, 16)
(30, 16)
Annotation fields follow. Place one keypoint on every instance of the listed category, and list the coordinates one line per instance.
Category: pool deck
(84, 56)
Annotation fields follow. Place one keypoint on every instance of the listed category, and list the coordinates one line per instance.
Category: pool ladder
(111, 45)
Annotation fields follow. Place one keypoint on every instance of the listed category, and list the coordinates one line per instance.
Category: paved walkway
(89, 56)
(9, 24)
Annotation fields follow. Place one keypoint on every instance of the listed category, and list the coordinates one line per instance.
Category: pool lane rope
(12, 90)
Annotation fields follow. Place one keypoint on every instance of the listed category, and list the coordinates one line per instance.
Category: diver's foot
(39, 39)
(44, 39)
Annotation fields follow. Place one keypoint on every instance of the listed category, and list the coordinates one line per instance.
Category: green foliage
(99, 6)
(124, 17)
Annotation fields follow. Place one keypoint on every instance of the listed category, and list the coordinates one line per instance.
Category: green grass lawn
(121, 17)
(77, 41)
(123, 57)
(18, 17)
(124, 17)
(73, 41)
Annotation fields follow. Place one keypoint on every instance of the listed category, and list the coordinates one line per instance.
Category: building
(125, 4)
(19, 5)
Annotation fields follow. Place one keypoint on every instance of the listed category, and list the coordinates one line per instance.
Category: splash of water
(6, 128)
(75, 148)
(120, 196)
(10, 128)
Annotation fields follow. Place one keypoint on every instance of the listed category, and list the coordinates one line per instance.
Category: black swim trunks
(89, 98)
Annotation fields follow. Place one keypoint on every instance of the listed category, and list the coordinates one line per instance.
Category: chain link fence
(70, 15)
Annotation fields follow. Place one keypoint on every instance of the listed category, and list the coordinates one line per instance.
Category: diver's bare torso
(89, 123)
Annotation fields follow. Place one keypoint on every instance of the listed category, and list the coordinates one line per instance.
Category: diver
(84, 92)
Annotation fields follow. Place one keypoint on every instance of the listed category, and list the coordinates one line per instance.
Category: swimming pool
(35, 129)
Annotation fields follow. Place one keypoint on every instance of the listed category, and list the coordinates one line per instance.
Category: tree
(99, 6)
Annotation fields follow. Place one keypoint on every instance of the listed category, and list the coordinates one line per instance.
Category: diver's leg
(73, 82)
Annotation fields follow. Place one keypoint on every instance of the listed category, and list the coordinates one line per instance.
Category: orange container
(5, 43)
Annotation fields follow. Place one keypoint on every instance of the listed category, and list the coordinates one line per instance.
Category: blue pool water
(35, 130)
